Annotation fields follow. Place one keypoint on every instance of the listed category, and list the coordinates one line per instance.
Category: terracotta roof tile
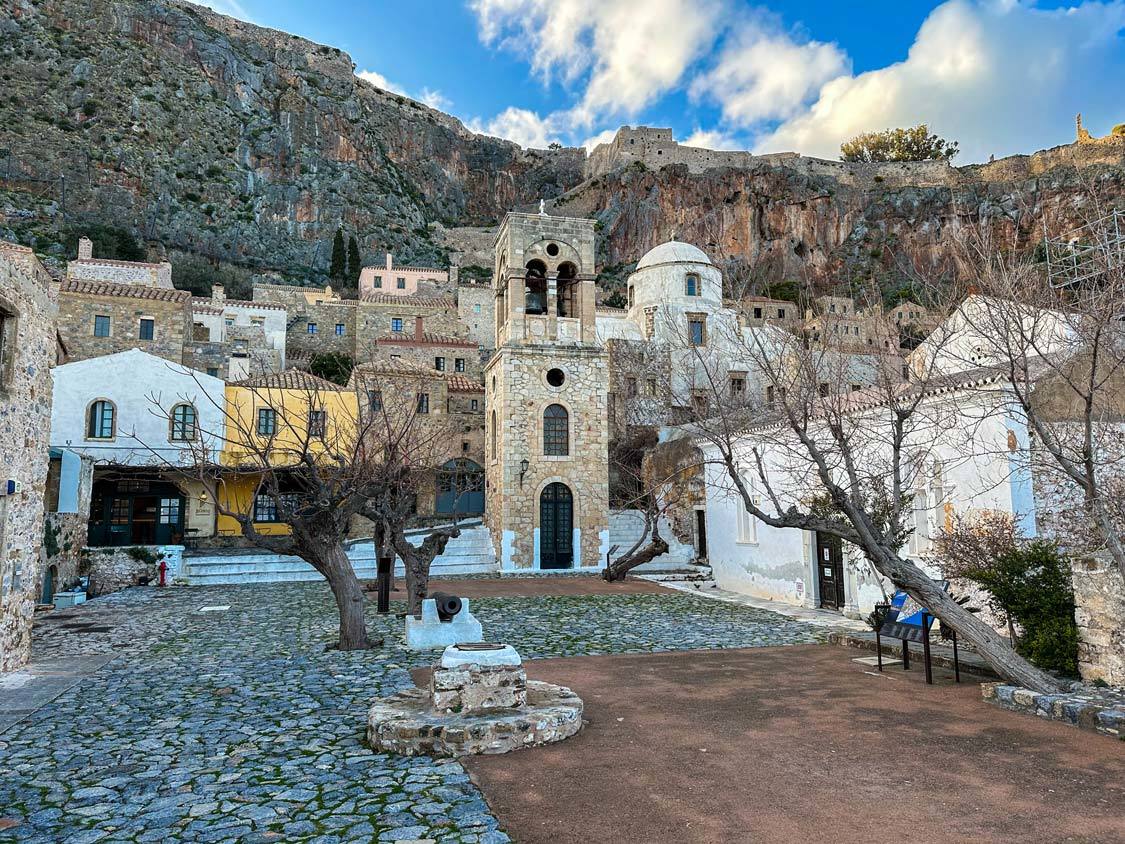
(428, 339)
(418, 301)
(106, 262)
(463, 384)
(290, 379)
(132, 291)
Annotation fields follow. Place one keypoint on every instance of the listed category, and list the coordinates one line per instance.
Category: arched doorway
(556, 523)
(460, 488)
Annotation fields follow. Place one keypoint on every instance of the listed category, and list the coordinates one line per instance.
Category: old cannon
(447, 605)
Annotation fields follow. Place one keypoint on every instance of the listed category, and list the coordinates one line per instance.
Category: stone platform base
(407, 724)
(1090, 708)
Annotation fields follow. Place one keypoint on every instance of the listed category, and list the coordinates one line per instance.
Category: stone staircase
(627, 526)
(469, 553)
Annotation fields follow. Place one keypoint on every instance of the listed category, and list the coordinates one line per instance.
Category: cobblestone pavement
(238, 725)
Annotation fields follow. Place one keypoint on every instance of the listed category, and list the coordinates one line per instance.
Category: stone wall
(1099, 598)
(125, 306)
(475, 308)
(28, 352)
(518, 394)
(375, 315)
(114, 569)
(121, 272)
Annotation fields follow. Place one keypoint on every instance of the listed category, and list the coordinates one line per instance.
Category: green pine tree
(338, 270)
(355, 263)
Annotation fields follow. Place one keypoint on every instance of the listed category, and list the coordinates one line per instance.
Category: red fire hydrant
(163, 572)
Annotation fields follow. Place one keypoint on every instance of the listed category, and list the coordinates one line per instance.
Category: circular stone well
(407, 723)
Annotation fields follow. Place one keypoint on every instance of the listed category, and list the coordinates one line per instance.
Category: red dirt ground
(798, 744)
(526, 587)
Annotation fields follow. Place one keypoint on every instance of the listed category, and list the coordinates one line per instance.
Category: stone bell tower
(547, 433)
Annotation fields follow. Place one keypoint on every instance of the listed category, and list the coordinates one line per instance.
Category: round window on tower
(552, 249)
(555, 377)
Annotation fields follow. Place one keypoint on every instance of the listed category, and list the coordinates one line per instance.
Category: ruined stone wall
(121, 272)
(171, 324)
(28, 352)
(1099, 598)
(114, 569)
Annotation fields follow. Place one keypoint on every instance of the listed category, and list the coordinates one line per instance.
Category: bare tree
(830, 423)
(310, 454)
(1054, 330)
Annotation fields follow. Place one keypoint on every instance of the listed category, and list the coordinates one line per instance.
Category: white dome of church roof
(673, 252)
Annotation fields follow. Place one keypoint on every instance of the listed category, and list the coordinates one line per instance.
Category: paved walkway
(222, 717)
(816, 617)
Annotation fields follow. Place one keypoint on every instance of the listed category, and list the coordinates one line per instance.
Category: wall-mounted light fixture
(523, 470)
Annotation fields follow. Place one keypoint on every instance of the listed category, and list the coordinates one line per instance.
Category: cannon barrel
(447, 605)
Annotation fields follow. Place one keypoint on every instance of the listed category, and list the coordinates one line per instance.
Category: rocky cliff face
(247, 145)
(209, 136)
(768, 223)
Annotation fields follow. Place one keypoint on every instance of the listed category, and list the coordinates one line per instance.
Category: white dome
(673, 252)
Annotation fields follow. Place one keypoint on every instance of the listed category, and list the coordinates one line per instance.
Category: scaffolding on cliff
(1087, 252)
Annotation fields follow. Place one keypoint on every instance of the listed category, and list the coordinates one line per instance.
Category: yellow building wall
(242, 445)
(236, 492)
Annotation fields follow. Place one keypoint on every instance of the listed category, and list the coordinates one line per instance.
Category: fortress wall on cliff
(655, 148)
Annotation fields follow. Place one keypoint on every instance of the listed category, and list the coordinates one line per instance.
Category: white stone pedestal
(430, 632)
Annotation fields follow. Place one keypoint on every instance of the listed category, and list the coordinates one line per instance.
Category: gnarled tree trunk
(416, 563)
(337, 570)
(619, 568)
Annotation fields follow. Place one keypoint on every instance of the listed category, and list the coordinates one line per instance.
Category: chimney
(418, 331)
(218, 294)
(85, 249)
(389, 262)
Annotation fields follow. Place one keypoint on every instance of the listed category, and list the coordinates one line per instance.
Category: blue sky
(1000, 76)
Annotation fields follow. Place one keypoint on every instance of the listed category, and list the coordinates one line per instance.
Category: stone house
(422, 348)
(234, 339)
(839, 321)
(104, 317)
(476, 312)
(28, 349)
(404, 281)
(382, 315)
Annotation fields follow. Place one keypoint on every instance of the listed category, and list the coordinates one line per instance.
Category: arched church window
(535, 288)
(556, 431)
(691, 285)
(568, 290)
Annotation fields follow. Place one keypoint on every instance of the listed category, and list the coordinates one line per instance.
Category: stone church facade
(547, 436)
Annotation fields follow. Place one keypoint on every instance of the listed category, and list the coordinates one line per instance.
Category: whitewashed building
(136, 415)
(970, 458)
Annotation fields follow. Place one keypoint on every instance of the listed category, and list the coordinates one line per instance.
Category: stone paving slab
(37, 684)
(241, 726)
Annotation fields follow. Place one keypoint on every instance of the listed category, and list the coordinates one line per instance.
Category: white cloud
(628, 53)
(600, 138)
(435, 99)
(764, 73)
(711, 139)
(380, 81)
(521, 125)
(1000, 77)
(231, 8)
(432, 98)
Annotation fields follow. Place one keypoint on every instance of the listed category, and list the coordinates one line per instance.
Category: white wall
(983, 455)
(142, 387)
